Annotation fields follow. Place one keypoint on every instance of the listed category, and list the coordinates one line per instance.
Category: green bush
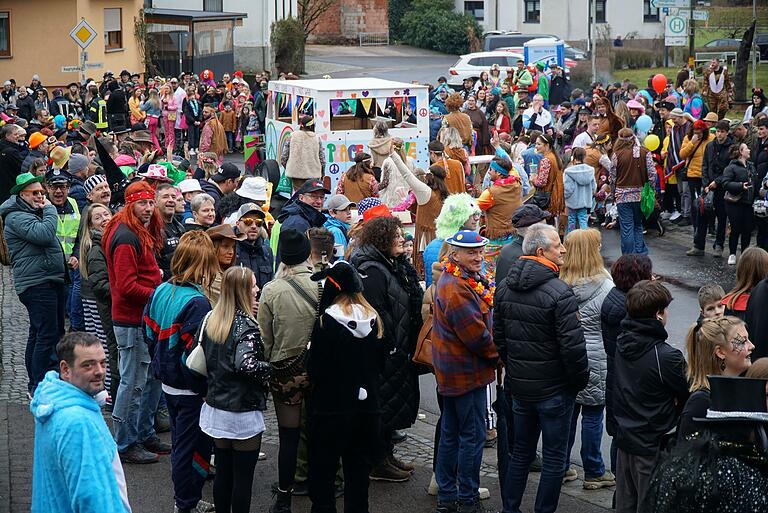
(287, 42)
(632, 58)
(397, 10)
(433, 24)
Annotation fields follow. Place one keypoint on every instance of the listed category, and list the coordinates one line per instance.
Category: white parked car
(471, 65)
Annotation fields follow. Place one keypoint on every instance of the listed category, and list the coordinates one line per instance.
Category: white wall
(568, 18)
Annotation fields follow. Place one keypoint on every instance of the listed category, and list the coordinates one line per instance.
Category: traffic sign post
(676, 31)
(83, 35)
(656, 4)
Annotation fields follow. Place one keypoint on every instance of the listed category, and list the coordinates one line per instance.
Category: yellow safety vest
(67, 227)
(100, 111)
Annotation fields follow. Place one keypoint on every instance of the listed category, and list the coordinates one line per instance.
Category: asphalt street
(402, 64)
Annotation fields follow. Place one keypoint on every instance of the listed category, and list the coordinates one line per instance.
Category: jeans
(191, 450)
(550, 418)
(460, 453)
(577, 219)
(230, 141)
(45, 306)
(591, 436)
(671, 198)
(193, 132)
(685, 197)
(75, 303)
(138, 394)
(700, 237)
(631, 225)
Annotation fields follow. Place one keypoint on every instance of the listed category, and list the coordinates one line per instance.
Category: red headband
(138, 196)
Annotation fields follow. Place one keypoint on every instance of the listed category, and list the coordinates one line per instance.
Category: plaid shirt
(463, 351)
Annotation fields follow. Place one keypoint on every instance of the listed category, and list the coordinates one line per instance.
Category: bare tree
(742, 64)
(310, 12)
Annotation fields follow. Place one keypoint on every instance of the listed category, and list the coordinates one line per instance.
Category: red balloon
(659, 83)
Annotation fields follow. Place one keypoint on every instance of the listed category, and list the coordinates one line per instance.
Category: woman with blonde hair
(751, 269)
(153, 109)
(454, 149)
(94, 289)
(584, 270)
(694, 103)
(394, 188)
(287, 312)
(236, 395)
(134, 106)
(719, 346)
(224, 246)
(169, 113)
(172, 317)
(359, 181)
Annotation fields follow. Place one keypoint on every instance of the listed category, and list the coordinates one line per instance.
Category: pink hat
(634, 104)
(156, 172)
(125, 160)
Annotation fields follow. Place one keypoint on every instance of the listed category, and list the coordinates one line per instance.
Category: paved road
(403, 64)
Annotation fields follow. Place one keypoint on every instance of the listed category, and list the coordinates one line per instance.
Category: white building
(567, 19)
(251, 34)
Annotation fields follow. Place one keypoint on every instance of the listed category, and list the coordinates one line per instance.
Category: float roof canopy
(336, 84)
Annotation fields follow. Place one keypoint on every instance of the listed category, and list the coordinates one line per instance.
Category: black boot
(282, 502)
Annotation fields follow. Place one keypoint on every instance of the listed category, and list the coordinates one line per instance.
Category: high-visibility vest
(67, 227)
(98, 113)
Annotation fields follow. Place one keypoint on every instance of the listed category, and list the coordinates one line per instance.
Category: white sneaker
(665, 215)
(432, 490)
(732, 260)
(675, 216)
(262, 456)
(484, 493)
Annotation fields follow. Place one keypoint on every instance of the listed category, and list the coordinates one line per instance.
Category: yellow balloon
(652, 142)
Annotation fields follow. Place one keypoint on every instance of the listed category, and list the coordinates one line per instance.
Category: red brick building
(347, 18)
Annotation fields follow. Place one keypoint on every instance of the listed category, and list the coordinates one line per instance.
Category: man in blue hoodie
(76, 466)
(339, 215)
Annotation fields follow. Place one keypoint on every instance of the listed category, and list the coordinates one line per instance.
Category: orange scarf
(544, 261)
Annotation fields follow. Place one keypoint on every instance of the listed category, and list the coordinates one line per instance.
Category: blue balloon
(643, 124)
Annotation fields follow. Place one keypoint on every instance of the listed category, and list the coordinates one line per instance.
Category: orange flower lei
(482, 288)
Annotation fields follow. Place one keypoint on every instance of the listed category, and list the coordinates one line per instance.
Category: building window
(650, 14)
(5, 34)
(113, 29)
(147, 4)
(600, 11)
(532, 11)
(213, 5)
(475, 9)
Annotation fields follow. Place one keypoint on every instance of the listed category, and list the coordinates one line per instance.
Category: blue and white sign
(544, 49)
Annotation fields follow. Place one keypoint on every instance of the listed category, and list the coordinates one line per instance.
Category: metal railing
(728, 57)
(373, 38)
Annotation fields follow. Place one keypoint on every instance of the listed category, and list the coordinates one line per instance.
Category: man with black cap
(57, 184)
(523, 217)
(222, 182)
(304, 210)
(13, 151)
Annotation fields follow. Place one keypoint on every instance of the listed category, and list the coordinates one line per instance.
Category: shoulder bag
(289, 376)
(196, 359)
(423, 353)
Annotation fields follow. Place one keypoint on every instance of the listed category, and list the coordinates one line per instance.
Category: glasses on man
(59, 186)
(250, 221)
(35, 193)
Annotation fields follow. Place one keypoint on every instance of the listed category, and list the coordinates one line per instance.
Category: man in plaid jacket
(465, 360)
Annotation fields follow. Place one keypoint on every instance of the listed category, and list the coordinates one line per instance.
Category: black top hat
(734, 399)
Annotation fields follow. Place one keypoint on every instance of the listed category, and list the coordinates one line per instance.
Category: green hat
(128, 170)
(23, 180)
(540, 65)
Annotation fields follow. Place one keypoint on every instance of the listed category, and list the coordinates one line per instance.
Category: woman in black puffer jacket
(741, 184)
(626, 271)
(392, 288)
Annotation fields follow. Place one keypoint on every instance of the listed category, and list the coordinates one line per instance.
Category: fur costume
(457, 208)
(717, 90)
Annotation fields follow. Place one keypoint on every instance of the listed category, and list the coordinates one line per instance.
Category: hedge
(433, 24)
(287, 42)
(631, 58)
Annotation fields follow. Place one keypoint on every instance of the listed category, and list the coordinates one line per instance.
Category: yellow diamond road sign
(83, 34)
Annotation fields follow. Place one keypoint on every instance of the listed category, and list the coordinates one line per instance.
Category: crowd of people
(175, 292)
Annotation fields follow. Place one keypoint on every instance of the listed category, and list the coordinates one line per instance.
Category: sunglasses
(250, 221)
